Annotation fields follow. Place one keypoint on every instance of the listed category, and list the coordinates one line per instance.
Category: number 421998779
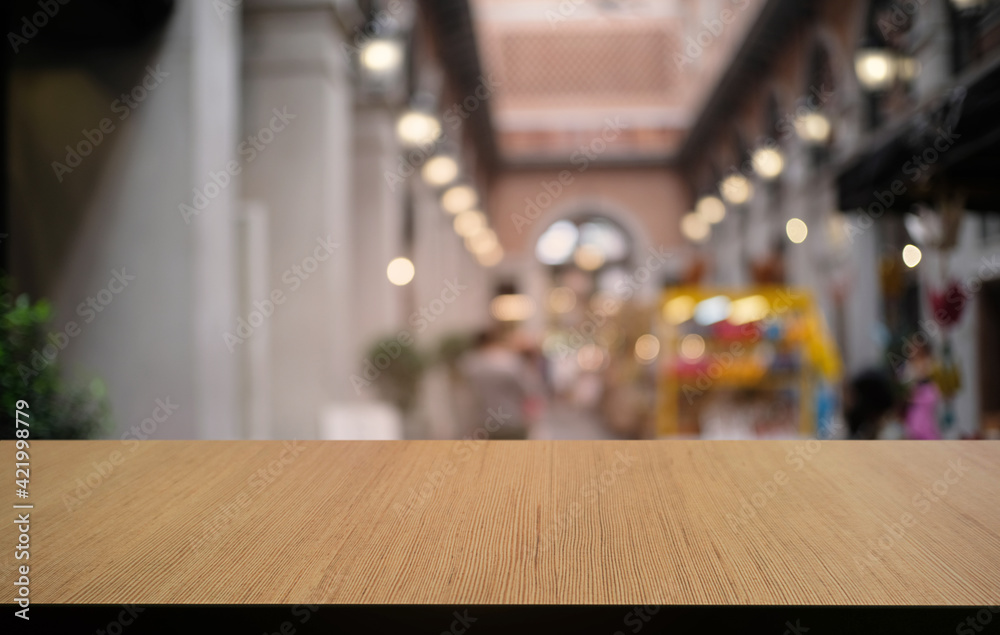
(22, 471)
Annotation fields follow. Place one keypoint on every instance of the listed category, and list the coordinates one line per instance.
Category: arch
(587, 206)
(534, 275)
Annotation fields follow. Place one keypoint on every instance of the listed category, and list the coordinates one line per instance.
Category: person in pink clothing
(922, 410)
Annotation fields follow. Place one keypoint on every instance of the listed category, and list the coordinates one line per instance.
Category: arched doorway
(595, 287)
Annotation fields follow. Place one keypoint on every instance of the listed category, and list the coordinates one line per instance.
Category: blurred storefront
(330, 207)
(849, 145)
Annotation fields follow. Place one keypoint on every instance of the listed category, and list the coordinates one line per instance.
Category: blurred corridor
(586, 219)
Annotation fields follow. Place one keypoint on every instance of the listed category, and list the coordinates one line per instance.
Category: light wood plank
(513, 522)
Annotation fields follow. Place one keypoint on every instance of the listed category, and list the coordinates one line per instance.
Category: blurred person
(535, 375)
(921, 422)
(626, 401)
(502, 387)
(869, 398)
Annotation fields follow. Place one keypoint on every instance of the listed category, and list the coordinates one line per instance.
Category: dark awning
(953, 143)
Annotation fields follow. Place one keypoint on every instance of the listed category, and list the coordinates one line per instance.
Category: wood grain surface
(512, 522)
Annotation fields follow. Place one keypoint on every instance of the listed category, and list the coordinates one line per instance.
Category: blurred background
(575, 219)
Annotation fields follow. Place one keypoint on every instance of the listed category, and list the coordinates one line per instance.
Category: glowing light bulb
(797, 230)
(400, 271)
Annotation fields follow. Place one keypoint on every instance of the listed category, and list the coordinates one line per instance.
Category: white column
(378, 231)
(215, 95)
(296, 71)
(255, 283)
(431, 275)
(160, 338)
(862, 314)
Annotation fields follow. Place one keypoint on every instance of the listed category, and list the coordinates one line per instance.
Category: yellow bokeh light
(692, 346)
(400, 271)
(797, 230)
(710, 209)
(417, 128)
(588, 257)
(492, 257)
(912, 256)
(482, 242)
(382, 56)
(469, 222)
(679, 310)
(440, 171)
(512, 307)
(562, 300)
(695, 228)
(768, 162)
(750, 309)
(459, 199)
(736, 189)
(647, 347)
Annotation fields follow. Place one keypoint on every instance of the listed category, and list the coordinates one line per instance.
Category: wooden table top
(555, 522)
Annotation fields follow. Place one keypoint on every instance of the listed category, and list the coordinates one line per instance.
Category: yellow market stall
(745, 363)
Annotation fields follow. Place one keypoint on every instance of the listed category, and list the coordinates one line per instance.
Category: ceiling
(600, 74)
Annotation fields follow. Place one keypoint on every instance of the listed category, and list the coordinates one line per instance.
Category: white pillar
(215, 98)
(378, 232)
(161, 336)
(862, 314)
(427, 257)
(295, 66)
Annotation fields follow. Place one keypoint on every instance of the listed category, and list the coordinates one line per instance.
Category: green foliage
(57, 409)
(452, 346)
(400, 380)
